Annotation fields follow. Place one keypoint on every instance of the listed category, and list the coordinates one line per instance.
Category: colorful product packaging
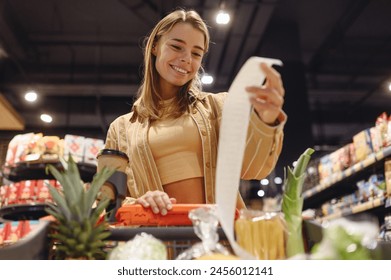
(362, 144)
(74, 145)
(27, 191)
(382, 126)
(387, 175)
(92, 147)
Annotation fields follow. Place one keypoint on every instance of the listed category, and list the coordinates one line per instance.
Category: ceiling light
(389, 86)
(222, 17)
(31, 96)
(46, 118)
(261, 193)
(277, 180)
(207, 79)
(264, 182)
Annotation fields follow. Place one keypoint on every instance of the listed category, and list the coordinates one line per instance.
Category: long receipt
(232, 141)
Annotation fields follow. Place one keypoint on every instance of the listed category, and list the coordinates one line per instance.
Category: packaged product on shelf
(74, 145)
(26, 191)
(1, 234)
(387, 174)
(340, 159)
(352, 154)
(33, 150)
(362, 144)
(17, 147)
(325, 168)
(3, 195)
(382, 126)
(377, 185)
(376, 139)
(43, 194)
(389, 131)
(92, 147)
(13, 194)
(51, 148)
(5, 230)
(11, 232)
(364, 188)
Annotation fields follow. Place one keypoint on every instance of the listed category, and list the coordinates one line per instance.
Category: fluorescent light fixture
(222, 17)
(46, 118)
(31, 96)
(206, 79)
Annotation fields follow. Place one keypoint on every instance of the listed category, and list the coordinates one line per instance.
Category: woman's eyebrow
(183, 42)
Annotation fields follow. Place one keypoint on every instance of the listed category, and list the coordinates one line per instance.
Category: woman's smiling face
(179, 55)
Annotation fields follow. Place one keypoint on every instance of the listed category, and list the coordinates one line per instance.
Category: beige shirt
(263, 146)
(176, 148)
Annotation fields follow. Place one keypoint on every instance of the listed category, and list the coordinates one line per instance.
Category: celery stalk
(292, 204)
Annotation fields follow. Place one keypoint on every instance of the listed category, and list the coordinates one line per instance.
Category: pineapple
(76, 228)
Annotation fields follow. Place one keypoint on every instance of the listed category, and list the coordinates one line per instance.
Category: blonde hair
(147, 105)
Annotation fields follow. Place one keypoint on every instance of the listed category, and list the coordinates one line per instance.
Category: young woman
(171, 134)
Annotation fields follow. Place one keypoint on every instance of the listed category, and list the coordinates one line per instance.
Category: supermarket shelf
(23, 212)
(36, 171)
(374, 205)
(344, 182)
(34, 246)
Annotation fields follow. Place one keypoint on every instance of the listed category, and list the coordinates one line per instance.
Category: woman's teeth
(180, 70)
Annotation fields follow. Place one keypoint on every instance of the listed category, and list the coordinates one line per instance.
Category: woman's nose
(186, 57)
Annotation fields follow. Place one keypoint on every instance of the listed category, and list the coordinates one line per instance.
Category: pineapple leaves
(98, 180)
(61, 202)
(71, 192)
(98, 210)
(77, 228)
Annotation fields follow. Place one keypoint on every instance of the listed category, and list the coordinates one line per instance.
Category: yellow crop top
(177, 149)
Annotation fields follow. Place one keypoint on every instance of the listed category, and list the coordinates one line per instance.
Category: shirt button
(194, 111)
(203, 132)
(207, 165)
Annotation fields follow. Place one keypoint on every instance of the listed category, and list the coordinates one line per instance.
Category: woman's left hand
(268, 99)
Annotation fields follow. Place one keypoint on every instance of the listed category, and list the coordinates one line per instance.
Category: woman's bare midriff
(187, 191)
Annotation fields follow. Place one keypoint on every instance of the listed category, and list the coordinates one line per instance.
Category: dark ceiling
(83, 57)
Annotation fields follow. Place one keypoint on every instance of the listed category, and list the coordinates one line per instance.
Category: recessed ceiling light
(389, 86)
(46, 118)
(264, 182)
(261, 193)
(277, 180)
(31, 96)
(222, 17)
(206, 79)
